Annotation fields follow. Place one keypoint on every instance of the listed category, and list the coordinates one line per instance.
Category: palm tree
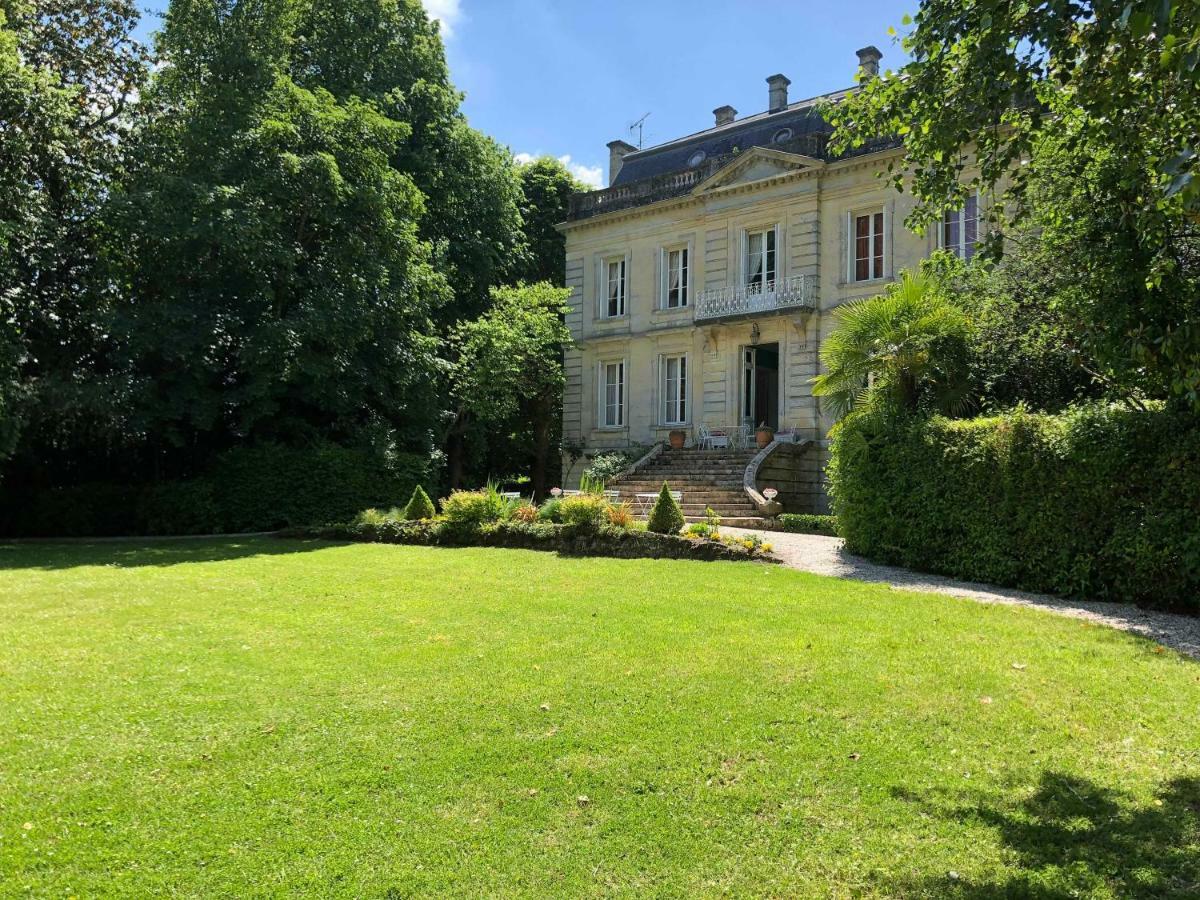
(904, 346)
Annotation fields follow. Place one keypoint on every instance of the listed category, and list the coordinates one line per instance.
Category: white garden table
(610, 496)
(740, 436)
(646, 501)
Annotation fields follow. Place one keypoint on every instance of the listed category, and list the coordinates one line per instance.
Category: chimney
(725, 114)
(868, 62)
(617, 151)
(777, 92)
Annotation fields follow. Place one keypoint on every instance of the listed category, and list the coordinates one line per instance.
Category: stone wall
(796, 471)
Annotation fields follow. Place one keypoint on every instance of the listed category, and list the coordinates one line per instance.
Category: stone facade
(728, 201)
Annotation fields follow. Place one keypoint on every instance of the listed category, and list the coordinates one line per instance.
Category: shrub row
(571, 540)
(1097, 503)
(248, 489)
(803, 523)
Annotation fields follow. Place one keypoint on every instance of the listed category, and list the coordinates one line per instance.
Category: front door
(749, 385)
(760, 386)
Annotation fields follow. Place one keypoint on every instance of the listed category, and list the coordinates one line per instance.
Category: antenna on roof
(640, 125)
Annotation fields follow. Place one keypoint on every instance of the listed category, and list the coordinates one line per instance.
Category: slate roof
(673, 169)
(808, 129)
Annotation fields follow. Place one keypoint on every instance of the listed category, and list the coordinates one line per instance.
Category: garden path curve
(827, 556)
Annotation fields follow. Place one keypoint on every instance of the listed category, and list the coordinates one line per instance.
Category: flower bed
(570, 540)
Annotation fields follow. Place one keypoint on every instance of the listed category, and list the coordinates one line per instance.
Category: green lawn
(270, 718)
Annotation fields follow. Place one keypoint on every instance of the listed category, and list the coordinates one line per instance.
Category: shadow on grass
(1074, 838)
(148, 552)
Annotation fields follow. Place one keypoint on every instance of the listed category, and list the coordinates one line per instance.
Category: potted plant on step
(764, 435)
(677, 437)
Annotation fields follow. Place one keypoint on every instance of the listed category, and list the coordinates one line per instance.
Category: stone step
(688, 477)
(690, 469)
(707, 454)
(695, 495)
(676, 484)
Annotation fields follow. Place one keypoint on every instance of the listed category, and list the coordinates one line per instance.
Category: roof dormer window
(783, 135)
(698, 157)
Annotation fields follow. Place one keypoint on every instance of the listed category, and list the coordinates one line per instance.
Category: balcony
(793, 293)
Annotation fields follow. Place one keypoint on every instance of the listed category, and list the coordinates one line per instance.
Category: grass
(269, 718)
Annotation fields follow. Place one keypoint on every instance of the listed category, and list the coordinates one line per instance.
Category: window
(698, 157)
(760, 259)
(612, 394)
(676, 278)
(960, 229)
(868, 246)
(675, 388)
(613, 287)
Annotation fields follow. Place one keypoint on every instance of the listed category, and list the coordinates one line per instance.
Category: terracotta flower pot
(764, 436)
(677, 438)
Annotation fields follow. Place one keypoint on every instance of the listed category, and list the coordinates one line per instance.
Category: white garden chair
(711, 439)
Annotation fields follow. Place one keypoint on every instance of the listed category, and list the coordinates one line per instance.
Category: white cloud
(448, 12)
(589, 175)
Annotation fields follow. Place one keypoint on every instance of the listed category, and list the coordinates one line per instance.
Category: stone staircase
(707, 478)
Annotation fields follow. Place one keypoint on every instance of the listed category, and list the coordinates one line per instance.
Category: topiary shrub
(419, 506)
(666, 517)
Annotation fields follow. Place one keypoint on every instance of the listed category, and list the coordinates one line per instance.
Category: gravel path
(826, 556)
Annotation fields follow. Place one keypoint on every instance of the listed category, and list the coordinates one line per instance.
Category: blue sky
(565, 77)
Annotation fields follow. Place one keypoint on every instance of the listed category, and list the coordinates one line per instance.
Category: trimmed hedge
(570, 540)
(803, 523)
(1098, 503)
(248, 489)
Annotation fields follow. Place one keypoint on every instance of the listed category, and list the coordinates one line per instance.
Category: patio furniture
(712, 438)
(739, 436)
(610, 496)
(645, 502)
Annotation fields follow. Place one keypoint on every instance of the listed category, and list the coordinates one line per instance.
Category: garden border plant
(583, 525)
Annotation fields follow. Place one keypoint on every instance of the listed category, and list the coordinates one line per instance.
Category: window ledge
(869, 282)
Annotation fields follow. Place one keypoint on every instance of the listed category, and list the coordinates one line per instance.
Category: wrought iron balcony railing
(794, 292)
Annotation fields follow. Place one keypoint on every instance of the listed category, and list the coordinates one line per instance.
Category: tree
(69, 70)
(546, 186)
(279, 286)
(1023, 349)
(390, 53)
(510, 368)
(899, 350)
(1103, 96)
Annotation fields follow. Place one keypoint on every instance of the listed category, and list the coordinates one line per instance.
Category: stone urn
(676, 438)
(764, 436)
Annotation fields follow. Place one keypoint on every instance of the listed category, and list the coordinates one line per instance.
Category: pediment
(757, 164)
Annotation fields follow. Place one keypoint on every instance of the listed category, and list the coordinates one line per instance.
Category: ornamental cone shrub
(420, 506)
(666, 517)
